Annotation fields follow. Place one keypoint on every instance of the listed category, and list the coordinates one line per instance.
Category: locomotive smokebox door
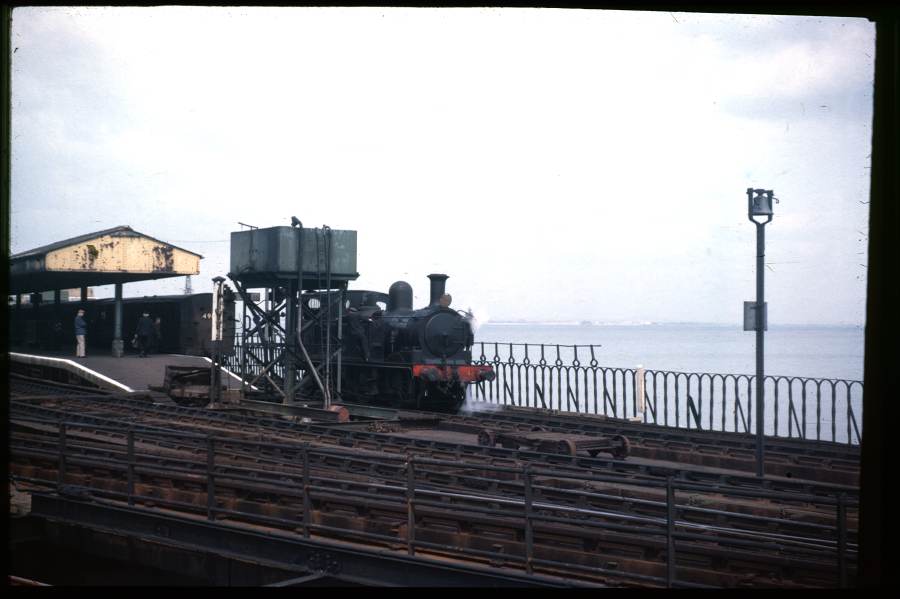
(445, 334)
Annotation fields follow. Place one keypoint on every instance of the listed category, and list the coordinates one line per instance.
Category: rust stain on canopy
(118, 255)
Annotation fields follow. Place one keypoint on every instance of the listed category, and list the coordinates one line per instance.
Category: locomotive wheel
(621, 450)
(532, 428)
(190, 402)
(436, 397)
(546, 447)
(486, 438)
(177, 393)
(565, 447)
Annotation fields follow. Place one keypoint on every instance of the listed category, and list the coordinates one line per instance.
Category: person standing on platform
(144, 333)
(80, 332)
(157, 335)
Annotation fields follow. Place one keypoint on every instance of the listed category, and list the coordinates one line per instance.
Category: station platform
(128, 374)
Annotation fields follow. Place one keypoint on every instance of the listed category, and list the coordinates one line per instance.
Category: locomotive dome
(400, 296)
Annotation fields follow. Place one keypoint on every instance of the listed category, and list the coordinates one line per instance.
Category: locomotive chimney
(437, 287)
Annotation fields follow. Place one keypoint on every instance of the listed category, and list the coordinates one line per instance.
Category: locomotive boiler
(395, 355)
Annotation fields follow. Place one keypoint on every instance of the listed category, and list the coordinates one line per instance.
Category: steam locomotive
(395, 355)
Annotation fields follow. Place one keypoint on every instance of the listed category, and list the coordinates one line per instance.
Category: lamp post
(759, 205)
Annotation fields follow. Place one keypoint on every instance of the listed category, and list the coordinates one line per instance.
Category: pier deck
(129, 373)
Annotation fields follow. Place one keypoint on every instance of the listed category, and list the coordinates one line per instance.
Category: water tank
(259, 256)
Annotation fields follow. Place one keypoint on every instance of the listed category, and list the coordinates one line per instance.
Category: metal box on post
(260, 255)
(750, 316)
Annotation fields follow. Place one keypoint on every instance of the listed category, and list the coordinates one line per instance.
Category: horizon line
(639, 322)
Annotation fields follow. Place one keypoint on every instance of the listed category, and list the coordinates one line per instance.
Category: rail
(569, 378)
(121, 411)
(674, 532)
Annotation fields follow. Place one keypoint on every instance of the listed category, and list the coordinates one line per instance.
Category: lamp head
(759, 203)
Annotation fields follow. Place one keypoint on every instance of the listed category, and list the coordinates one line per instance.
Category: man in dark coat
(80, 332)
(144, 333)
(157, 336)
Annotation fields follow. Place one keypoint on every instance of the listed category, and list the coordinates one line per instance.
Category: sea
(834, 352)
(811, 372)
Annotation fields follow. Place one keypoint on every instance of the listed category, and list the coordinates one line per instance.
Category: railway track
(599, 423)
(608, 493)
(103, 410)
(26, 386)
(790, 458)
(823, 462)
(373, 504)
(592, 521)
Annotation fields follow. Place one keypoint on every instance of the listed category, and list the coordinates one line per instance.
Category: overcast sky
(557, 164)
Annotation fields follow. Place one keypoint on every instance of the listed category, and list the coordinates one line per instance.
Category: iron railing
(569, 378)
(251, 358)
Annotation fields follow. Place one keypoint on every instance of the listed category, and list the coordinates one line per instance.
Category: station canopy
(118, 255)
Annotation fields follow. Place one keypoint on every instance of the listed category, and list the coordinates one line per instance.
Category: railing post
(842, 539)
(529, 529)
(210, 478)
(410, 506)
(131, 466)
(306, 483)
(849, 414)
(61, 471)
(639, 390)
(670, 533)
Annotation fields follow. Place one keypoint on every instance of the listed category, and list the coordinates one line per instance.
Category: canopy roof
(117, 255)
